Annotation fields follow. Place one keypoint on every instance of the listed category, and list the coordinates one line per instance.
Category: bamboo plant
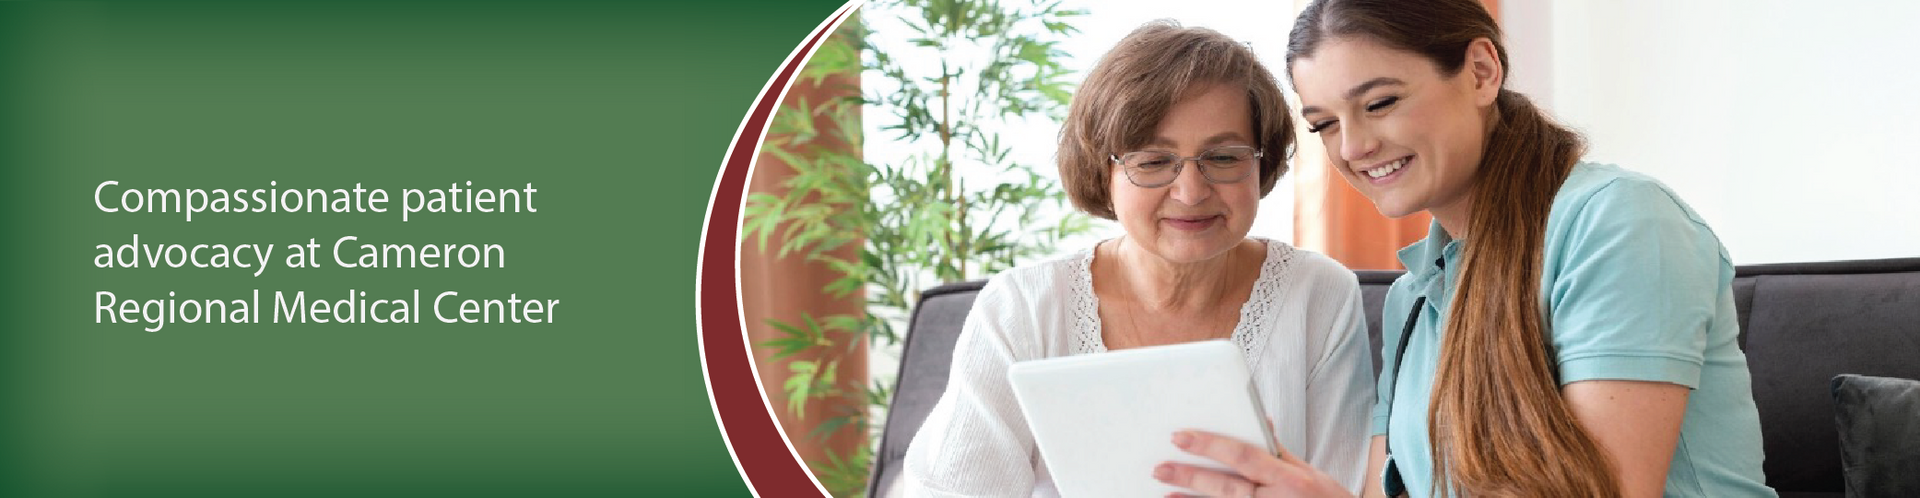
(958, 207)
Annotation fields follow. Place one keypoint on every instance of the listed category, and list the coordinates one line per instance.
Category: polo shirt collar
(1422, 258)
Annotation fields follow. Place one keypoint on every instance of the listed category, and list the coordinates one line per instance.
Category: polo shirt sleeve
(1635, 287)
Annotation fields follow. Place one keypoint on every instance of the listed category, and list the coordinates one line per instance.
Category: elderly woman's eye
(1153, 162)
(1225, 158)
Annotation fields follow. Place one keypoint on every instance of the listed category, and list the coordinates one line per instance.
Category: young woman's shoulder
(1596, 192)
(1602, 208)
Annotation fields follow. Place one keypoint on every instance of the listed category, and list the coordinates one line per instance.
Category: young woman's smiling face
(1405, 135)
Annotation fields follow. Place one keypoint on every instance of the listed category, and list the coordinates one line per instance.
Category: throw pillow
(1879, 422)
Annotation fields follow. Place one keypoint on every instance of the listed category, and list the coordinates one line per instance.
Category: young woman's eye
(1383, 103)
(1316, 126)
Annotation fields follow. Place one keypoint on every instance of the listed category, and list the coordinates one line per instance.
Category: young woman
(1176, 134)
(1566, 328)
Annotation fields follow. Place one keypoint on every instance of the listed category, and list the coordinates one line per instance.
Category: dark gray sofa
(1800, 324)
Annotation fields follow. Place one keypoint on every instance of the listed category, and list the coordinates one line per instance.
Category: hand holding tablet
(1105, 422)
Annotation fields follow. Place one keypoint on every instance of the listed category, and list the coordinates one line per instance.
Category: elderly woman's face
(1193, 219)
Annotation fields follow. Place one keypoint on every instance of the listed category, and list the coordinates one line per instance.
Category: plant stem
(946, 157)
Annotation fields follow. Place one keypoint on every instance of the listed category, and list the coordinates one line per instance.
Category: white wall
(1781, 122)
(1786, 124)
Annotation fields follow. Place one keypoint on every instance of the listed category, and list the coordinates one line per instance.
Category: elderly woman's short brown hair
(1119, 106)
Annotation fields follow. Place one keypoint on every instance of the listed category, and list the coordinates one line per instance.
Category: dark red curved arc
(757, 444)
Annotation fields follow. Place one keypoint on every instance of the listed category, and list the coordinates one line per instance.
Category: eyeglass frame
(1180, 164)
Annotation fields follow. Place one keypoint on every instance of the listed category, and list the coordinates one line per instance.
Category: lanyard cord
(1399, 355)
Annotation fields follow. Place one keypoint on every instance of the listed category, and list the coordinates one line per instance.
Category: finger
(1287, 456)
(1245, 459)
(1205, 481)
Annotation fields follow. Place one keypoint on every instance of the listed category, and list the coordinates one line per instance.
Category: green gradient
(618, 113)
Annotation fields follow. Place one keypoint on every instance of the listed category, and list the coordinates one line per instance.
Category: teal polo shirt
(1636, 288)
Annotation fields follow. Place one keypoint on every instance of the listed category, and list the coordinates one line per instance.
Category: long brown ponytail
(1497, 423)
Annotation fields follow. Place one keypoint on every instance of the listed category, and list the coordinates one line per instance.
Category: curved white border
(829, 24)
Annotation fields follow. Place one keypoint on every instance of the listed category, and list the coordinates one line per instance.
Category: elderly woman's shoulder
(1048, 277)
(1311, 268)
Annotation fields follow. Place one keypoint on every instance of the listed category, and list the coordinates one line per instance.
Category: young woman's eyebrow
(1361, 89)
(1357, 91)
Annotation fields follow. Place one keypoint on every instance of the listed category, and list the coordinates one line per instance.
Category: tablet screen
(1103, 421)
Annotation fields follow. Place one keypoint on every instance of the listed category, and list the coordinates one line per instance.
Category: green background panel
(618, 112)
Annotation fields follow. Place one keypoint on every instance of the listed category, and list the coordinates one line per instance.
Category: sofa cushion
(1743, 301)
(1801, 323)
(1804, 330)
(925, 360)
(1373, 296)
(1879, 425)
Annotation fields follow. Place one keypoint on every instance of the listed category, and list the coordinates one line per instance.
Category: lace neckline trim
(1254, 314)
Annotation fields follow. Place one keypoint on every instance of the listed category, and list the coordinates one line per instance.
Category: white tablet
(1103, 421)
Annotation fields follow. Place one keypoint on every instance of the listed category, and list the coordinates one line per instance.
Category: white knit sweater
(1301, 328)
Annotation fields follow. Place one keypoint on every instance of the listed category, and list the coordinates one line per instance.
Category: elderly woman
(1176, 134)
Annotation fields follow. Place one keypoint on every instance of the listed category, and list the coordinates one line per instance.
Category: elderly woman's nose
(1191, 187)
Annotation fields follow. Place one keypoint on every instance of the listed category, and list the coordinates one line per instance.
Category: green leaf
(794, 339)
(800, 386)
(843, 476)
(845, 323)
(830, 425)
(943, 78)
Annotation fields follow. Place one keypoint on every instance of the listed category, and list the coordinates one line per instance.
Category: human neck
(1455, 218)
(1156, 284)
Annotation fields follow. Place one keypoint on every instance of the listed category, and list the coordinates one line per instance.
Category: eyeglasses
(1155, 169)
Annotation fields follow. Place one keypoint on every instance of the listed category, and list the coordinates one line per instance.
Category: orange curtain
(1334, 219)
(784, 289)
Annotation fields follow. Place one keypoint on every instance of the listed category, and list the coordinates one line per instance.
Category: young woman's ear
(1483, 65)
